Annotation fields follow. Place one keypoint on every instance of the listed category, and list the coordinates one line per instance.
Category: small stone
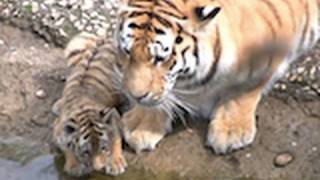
(89, 28)
(72, 18)
(63, 78)
(300, 70)
(41, 94)
(300, 79)
(283, 159)
(87, 4)
(63, 3)
(314, 149)
(49, 2)
(313, 70)
(248, 155)
(1, 42)
(59, 22)
(101, 32)
(283, 87)
(293, 78)
(294, 144)
(35, 7)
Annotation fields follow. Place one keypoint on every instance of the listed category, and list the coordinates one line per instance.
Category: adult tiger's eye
(179, 40)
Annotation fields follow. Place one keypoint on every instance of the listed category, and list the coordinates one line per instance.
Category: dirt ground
(29, 65)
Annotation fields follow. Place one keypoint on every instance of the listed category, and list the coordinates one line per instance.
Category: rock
(35, 7)
(41, 94)
(87, 4)
(283, 159)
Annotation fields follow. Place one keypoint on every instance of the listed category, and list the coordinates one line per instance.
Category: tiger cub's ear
(56, 108)
(205, 14)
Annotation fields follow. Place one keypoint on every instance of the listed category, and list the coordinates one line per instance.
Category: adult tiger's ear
(205, 14)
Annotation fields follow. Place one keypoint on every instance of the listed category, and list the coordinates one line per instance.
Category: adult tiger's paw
(227, 135)
(144, 127)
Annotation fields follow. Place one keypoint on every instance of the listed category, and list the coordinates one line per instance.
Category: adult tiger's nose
(147, 99)
(140, 97)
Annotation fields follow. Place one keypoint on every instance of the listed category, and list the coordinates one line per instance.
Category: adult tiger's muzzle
(145, 84)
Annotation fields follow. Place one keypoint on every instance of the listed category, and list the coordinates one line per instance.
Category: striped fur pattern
(198, 54)
(195, 43)
(86, 129)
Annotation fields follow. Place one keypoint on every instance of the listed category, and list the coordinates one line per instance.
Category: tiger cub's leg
(114, 163)
(144, 127)
(111, 160)
(234, 124)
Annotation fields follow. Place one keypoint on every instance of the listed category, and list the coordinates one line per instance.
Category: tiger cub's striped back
(86, 128)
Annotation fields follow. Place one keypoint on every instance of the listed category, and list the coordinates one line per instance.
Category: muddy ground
(28, 65)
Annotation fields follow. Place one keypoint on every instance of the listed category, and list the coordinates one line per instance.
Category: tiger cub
(210, 58)
(87, 129)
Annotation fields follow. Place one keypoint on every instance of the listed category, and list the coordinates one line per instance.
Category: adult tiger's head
(159, 40)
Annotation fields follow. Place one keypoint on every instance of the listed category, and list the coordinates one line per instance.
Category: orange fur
(227, 51)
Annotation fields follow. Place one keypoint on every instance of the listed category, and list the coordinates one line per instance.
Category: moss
(28, 8)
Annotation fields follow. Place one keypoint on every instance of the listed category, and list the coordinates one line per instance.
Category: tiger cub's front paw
(116, 165)
(144, 127)
(111, 164)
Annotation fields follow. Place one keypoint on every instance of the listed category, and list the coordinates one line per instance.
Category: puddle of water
(22, 160)
(47, 167)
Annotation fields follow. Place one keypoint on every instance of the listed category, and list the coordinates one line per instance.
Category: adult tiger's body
(86, 130)
(211, 57)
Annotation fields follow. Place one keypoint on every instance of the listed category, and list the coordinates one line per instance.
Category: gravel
(58, 20)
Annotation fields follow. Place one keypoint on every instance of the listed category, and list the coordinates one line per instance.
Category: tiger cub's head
(83, 135)
(159, 43)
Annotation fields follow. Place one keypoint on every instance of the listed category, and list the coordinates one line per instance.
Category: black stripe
(270, 25)
(87, 77)
(196, 49)
(183, 52)
(217, 55)
(141, 13)
(172, 65)
(304, 32)
(75, 53)
(274, 10)
(169, 3)
(100, 70)
(162, 20)
(84, 111)
(292, 14)
(312, 37)
(172, 14)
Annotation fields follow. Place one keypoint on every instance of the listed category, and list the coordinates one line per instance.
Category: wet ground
(31, 80)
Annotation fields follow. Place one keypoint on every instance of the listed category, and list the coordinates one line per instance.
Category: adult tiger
(86, 130)
(209, 57)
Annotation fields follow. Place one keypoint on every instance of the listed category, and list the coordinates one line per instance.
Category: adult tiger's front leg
(144, 127)
(234, 125)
